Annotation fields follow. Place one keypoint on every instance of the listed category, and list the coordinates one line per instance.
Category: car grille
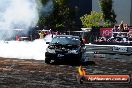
(61, 51)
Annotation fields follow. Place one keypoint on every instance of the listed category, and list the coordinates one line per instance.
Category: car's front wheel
(47, 60)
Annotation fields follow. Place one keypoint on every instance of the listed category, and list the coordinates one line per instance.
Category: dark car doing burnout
(65, 48)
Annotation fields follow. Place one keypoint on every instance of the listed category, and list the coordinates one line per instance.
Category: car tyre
(47, 61)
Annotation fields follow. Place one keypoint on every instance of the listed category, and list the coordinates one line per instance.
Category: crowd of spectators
(121, 31)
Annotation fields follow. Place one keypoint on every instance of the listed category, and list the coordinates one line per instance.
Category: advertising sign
(106, 32)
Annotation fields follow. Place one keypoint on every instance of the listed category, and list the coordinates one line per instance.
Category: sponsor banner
(108, 78)
(120, 49)
(106, 32)
(101, 78)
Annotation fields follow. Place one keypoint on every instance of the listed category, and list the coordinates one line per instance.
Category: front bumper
(63, 56)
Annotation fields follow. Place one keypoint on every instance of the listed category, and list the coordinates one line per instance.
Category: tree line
(62, 17)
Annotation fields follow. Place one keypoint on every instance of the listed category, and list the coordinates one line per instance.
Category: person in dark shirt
(82, 41)
(115, 29)
(121, 26)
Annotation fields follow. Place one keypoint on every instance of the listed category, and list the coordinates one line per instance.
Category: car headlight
(50, 50)
(73, 51)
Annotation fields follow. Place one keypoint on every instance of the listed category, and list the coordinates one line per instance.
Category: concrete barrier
(124, 53)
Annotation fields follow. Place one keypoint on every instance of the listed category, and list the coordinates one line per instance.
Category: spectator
(126, 29)
(41, 35)
(17, 38)
(115, 29)
(121, 26)
(82, 41)
(129, 34)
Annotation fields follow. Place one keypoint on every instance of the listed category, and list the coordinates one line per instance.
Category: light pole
(131, 15)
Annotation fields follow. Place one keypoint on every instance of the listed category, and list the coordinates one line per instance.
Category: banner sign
(106, 32)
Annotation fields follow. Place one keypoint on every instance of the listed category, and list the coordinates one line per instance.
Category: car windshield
(65, 40)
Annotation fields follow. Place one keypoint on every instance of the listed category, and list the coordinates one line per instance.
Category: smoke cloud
(47, 8)
(17, 14)
(22, 14)
(23, 49)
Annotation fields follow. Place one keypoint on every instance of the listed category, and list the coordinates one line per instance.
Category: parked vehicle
(24, 39)
(65, 48)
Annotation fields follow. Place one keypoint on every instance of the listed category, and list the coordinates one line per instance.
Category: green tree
(59, 18)
(43, 13)
(92, 20)
(108, 12)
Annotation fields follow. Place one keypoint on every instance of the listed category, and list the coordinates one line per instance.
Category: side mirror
(47, 42)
